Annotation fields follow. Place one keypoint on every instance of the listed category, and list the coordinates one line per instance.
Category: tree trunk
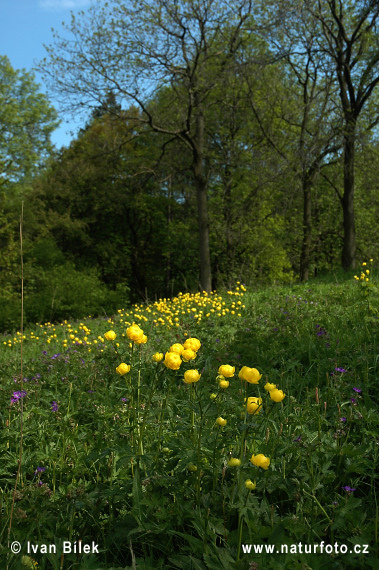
(349, 243)
(307, 231)
(202, 204)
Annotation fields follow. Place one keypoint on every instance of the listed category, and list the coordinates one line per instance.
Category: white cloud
(63, 4)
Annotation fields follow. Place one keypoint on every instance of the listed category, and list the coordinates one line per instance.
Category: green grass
(137, 463)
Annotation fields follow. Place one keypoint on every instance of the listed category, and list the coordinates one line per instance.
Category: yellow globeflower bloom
(177, 348)
(234, 462)
(250, 485)
(158, 356)
(251, 375)
(254, 405)
(277, 395)
(123, 368)
(213, 396)
(269, 386)
(188, 354)
(134, 332)
(172, 360)
(191, 376)
(260, 460)
(221, 422)
(226, 370)
(192, 343)
(142, 340)
(110, 335)
(223, 384)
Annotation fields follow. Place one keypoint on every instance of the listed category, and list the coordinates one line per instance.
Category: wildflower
(134, 332)
(191, 376)
(193, 344)
(223, 384)
(158, 356)
(234, 462)
(18, 395)
(226, 370)
(254, 405)
(141, 340)
(348, 489)
(341, 370)
(260, 460)
(110, 335)
(123, 368)
(188, 354)
(251, 375)
(54, 406)
(172, 360)
(124, 400)
(357, 390)
(343, 420)
(269, 386)
(39, 470)
(298, 438)
(191, 467)
(213, 396)
(250, 485)
(177, 348)
(221, 422)
(277, 395)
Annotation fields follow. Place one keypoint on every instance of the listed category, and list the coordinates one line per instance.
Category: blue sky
(25, 26)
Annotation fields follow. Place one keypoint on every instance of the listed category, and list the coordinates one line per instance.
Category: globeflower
(188, 354)
(191, 376)
(277, 395)
(223, 384)
(221, 422)
(123, 368)
(141, 340)
(192, 343)
(177, 348)
(254, 405)
(134, 332)
(110, 335)
(158, 356)
(251, 375)
(172, 360)
(250, 485)
(226, 370)
(260, 460)
(269, 386)
(234, 462)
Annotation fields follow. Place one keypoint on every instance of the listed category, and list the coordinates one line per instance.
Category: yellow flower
(191, 376)
(260, 460)
(226, 370)
(158, 356)
(213, 396)
(134, 332)
(250, 485)
(192, 343)
(364, 264)
(110, 335)
(142, 340)
(172, 360)
(277, 395)
(251, 375)
(123, 368)
(221, 422)
(177, 348)
(191, 467)
(254, 405)
(234, 462)
(223, 384)
(188, 354)
(269, 386)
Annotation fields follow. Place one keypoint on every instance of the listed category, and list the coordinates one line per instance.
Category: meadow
(186, 432)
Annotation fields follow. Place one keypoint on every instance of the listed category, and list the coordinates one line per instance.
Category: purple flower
(343, 420)
(90, 391)
(18, 396)
(39, 470)
(348, 489)
(342, 370)
(298, 438)
(54, 406)
(124, 399)
(357, 390)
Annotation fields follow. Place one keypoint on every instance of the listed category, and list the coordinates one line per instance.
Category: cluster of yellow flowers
(364, 276)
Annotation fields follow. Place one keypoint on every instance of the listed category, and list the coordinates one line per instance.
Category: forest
(221, 142)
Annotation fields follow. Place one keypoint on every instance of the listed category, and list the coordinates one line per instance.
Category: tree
(349, 39)
(135, 48)
(27, 120)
